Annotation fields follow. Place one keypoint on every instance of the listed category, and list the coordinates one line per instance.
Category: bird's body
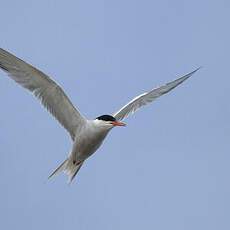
(87, 135)
(88, 140)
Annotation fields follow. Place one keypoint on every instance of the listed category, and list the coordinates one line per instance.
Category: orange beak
(118, 123)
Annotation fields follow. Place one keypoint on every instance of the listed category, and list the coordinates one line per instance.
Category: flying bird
(87, 135)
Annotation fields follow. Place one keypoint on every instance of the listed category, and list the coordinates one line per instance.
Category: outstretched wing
(46, 90)
(148, 97)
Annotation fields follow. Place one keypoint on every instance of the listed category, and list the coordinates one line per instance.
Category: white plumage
(87, 135)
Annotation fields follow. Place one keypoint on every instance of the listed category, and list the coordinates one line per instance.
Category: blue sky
(169, 169)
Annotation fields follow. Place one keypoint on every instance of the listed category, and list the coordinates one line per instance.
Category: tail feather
(72, 173)
(68, 167)
(59, 169)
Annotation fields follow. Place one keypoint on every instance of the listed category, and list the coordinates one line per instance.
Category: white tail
(68, 167)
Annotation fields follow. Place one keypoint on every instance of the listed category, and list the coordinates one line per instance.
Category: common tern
(87, 135)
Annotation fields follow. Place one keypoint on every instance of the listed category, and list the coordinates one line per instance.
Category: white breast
(88, 140)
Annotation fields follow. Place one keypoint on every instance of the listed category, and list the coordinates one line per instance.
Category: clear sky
(169, 168)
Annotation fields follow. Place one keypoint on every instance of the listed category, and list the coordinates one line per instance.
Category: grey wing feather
(46, 90)
(148, 97)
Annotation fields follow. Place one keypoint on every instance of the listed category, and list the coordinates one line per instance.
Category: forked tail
(68, 167)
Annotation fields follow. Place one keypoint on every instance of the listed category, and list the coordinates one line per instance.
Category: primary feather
(148, 97)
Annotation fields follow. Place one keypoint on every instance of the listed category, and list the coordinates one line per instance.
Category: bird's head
(108, 121)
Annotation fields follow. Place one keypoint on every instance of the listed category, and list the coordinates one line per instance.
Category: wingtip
(200, 67)
(194, 71)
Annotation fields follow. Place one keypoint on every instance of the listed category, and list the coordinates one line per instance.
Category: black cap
(106, 118)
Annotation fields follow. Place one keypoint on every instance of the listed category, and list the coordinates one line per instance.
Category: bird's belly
(86, 146)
